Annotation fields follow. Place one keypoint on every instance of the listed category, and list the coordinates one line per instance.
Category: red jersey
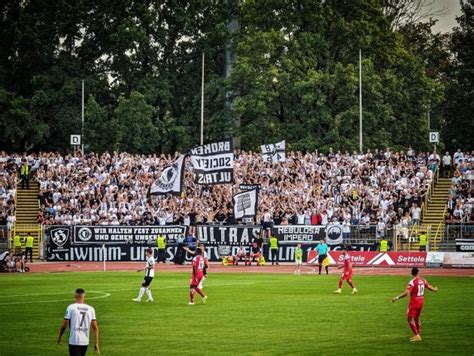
(199, 262)
(416, 287)
(347, 264)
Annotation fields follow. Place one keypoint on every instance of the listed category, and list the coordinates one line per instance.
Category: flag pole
(202, 101)
(360, 101)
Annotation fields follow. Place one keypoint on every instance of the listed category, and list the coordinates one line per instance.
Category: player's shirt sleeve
(410, 286)
(67, 314)
(93, 314)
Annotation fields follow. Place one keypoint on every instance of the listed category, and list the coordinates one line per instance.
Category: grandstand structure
(61, 193)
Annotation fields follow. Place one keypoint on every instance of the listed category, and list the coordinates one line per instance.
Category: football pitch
(246, 313)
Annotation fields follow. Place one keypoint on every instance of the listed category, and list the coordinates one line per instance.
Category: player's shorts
(414, 311)
(195, 281)
(346, 275)
(147, 281)
(321, 258)
(298, 261)
(200, 283)
(77, 350)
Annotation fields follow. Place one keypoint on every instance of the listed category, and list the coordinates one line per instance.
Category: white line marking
(104, 295)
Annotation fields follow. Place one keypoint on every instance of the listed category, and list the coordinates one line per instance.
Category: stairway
(434, 213)
(27, 208)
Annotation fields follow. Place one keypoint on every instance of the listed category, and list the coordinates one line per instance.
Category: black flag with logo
(171, 179)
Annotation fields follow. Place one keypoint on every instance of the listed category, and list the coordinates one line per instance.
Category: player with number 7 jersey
(416, 289)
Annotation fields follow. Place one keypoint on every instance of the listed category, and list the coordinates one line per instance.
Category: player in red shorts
(416, 289)
(199, 266)
(347, 273)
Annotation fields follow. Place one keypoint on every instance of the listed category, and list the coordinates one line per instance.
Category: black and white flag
(245, 204)
(171, 179)
(274, 152)
(213, 163)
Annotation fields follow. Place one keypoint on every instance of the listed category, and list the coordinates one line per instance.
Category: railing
(461, 231)
(429, 193)
(5, 234)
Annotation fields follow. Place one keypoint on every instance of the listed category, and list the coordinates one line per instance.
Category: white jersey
(80, 317)
(150, 267)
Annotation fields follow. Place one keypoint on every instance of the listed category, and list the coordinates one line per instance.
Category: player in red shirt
(199, 266)
(416, 289)
(347, 273)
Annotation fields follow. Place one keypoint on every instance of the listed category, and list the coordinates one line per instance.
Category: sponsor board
(458, 259)
(465, 245)
(373, 258)
(434, 259)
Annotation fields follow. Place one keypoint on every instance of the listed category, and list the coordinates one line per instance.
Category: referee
(322, 249)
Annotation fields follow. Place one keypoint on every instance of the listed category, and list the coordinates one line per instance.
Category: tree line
(294, 74)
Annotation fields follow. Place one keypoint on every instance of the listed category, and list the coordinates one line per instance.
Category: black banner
(58, 242)
(465, 245)
(123, 235)
(213, 163)
(245, 186)
(304, 234)
(227, 235)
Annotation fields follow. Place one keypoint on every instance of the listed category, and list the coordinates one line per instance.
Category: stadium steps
(436, 210)
(26, 213)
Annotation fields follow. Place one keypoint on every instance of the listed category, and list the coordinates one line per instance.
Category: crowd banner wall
(458, 259)
(464, 245)
(375, 259)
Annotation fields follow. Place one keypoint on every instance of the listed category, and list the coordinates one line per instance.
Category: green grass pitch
(246, 313)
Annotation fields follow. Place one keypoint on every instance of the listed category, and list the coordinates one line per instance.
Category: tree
(136, 132)
(459, 108)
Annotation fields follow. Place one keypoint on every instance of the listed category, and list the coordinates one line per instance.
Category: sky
(447, 22)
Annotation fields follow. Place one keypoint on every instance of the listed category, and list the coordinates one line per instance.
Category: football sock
(413, 327)
(418, 326)
(320, 267)
(327, 270)
(200, 292)
(148, 293)
(191, 295)
(140, 294)
(340, 283)
(351, 284)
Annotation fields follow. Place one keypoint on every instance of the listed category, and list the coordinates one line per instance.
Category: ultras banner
(227, 235)
(213, 163)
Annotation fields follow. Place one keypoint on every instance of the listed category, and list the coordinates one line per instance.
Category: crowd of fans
(382, 188)
(461, 201)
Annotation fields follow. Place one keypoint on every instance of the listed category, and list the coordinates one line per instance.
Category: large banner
(122, 235)
(171, 179)
(374, 259)
(304, 234)
(464, 245)
(213, 163)
(227, 235)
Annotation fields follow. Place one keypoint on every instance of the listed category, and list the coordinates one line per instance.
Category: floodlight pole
(202, 101)
(82, 118)
(360, 101)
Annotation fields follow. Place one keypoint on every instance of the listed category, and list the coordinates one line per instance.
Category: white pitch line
(104, 295)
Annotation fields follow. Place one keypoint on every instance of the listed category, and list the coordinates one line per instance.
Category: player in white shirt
(80, 317)
(149, 274)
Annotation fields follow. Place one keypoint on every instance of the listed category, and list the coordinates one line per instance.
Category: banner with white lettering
(465, 245)
(171, 179)
(274, 152)
(227, 235)
(213, 163)
(304, 234)
(245, 204)
(122, 235)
